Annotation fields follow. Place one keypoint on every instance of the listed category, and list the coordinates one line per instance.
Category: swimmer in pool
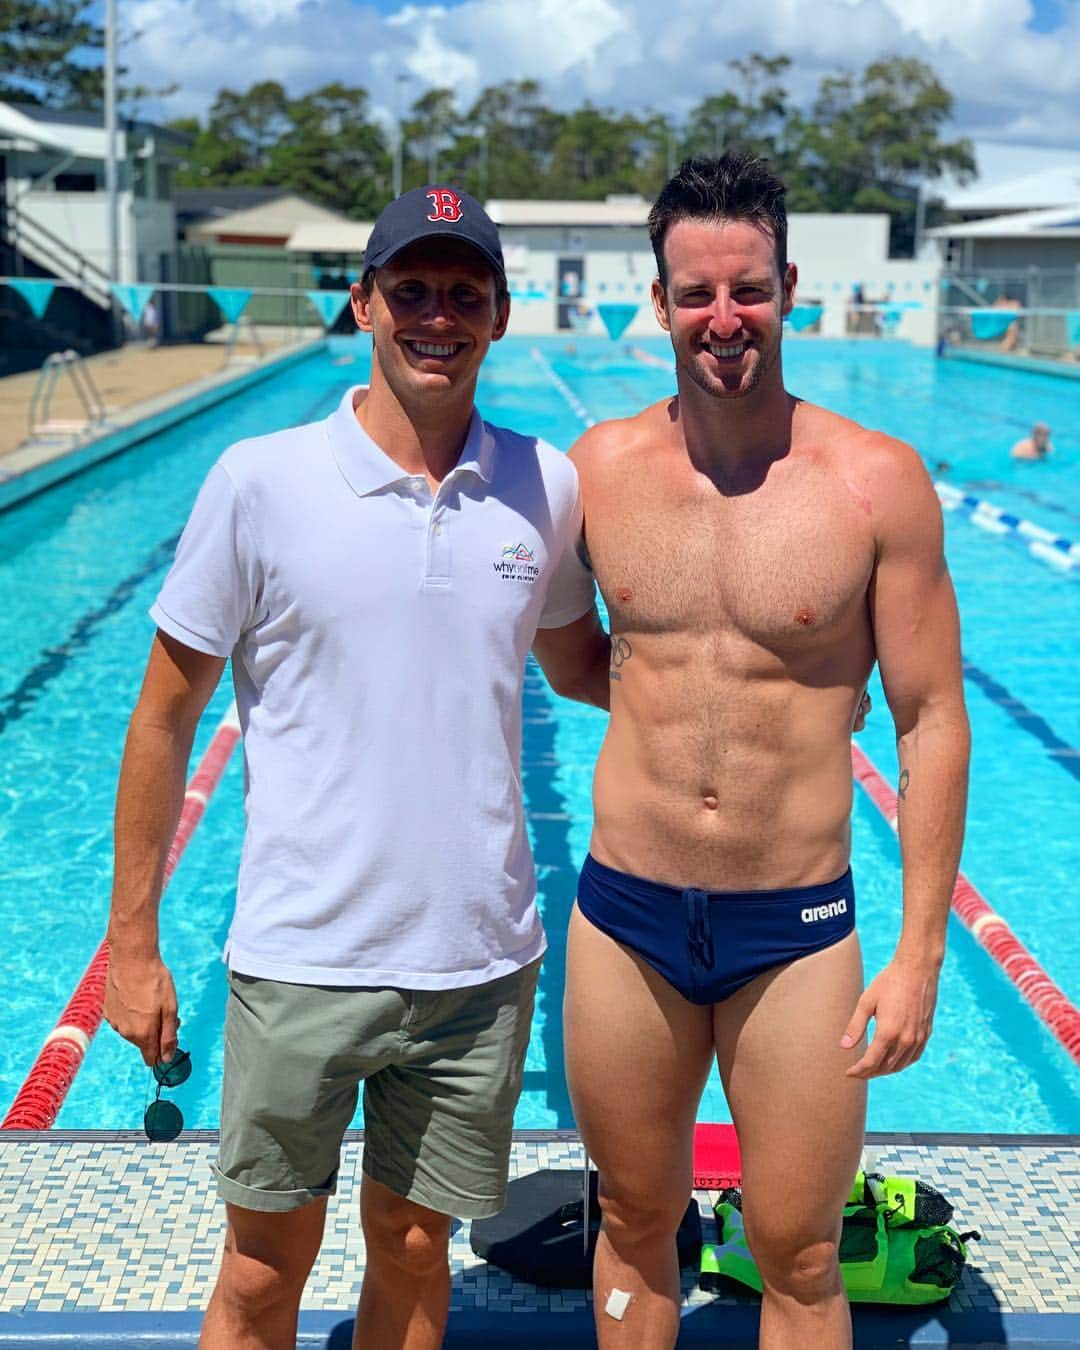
(757, 555)
(1035, 446)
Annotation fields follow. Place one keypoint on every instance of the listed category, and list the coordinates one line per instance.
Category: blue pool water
(80, 564)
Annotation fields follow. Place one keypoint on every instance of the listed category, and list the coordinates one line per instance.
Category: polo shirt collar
(367, 468)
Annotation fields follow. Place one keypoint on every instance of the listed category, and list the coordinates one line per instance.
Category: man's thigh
(438, 1121)
(800, 1120)
(637, 1058)
(294, 1057)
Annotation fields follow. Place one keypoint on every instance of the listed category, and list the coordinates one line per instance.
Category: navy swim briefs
(708, 944)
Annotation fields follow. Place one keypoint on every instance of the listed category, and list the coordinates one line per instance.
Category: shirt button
(438, 529)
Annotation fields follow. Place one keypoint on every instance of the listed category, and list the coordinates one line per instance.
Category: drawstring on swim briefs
(699, 929)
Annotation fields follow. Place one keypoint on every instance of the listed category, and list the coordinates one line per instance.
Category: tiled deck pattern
(104, 1223)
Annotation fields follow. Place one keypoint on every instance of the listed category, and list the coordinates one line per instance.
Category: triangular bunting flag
(616, 318)
(37, 294)
(133, 298)
(329, 304)
(229, 299)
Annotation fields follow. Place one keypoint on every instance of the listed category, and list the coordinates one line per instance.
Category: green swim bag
(896, 1243)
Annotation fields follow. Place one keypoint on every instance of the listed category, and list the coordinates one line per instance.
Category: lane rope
(563, 388)
(1041, 543)
(987, 927)
(38, 1101)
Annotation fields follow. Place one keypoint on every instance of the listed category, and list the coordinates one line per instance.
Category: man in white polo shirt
(377, 579)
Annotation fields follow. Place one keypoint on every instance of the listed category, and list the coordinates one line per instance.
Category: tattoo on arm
(905, 779)
(621, 652)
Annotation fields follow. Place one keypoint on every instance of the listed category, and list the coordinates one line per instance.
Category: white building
(55, 208)
(567, 259)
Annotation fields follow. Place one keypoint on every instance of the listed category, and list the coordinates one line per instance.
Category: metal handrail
(45, 387)
(68, 261)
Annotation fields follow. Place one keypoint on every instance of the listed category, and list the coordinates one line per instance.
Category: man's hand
(140, 1005)
(901, 1000)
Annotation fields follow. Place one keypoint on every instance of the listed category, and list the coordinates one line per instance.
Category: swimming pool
(80, 564)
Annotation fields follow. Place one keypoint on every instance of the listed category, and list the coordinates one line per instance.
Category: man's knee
(798, 1267)
(634, 1213)
(412, 1238)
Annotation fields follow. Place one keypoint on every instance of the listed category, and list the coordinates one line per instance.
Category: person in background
(149, 323)
(1035, 446)
(377, 579)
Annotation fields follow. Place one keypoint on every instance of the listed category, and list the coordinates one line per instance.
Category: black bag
(539, 1235)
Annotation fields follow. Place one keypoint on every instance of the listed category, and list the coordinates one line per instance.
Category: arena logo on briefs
(518, 563)
(445, 205)
(815, 913)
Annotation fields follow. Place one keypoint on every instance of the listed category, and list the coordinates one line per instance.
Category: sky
(1012, 65)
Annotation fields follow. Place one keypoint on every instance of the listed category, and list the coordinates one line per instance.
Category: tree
(37, 41)
(249, 125)
(333, 153)
(595, 153)
(871, 139)
(428, 133)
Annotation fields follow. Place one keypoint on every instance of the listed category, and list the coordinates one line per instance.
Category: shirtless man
(756, 554)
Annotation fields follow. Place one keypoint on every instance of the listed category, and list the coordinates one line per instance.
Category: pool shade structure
(617, 318)
(328, 304)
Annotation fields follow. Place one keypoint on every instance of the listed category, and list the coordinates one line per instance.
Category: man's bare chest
(785, 569)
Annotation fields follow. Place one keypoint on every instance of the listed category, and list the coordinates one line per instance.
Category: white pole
(110, 140)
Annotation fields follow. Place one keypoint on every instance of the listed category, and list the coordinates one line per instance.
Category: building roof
(615, 211)
(276, 218)
(1014, 178)
(205, 203)
(16, 126)
(320, 236)
(94, 120)
(1063, 222)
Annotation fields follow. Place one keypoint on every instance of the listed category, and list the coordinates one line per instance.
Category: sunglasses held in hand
(163, 1121)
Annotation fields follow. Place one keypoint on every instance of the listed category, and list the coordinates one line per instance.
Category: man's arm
(917, 635)
(576, 659)
(140, 999)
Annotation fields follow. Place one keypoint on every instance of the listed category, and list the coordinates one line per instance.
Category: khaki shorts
(441, 1071)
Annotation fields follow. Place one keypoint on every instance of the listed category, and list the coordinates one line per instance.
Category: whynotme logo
(815, 913)
(517, 563)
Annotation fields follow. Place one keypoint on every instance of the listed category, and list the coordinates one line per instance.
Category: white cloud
(1007, 80)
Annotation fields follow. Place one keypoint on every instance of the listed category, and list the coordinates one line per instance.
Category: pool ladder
(82, 381)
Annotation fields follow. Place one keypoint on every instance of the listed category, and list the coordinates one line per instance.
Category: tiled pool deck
(108, 1241)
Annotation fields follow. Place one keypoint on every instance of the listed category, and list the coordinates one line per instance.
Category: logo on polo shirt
(518, 563)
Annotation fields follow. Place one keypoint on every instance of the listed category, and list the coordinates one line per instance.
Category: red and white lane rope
(38, 1101)
(988, 928)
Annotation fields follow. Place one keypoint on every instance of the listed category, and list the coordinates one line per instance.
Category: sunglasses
(162, 1121)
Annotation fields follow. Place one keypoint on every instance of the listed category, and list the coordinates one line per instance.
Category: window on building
(76, 182)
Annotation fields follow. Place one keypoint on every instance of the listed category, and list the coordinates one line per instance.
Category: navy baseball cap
(431, 212)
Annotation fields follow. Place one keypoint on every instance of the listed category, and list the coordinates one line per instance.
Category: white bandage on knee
(617, 1303)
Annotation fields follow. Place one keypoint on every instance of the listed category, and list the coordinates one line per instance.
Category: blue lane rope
(1041, 543)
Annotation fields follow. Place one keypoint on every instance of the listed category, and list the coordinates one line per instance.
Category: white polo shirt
(378, 637)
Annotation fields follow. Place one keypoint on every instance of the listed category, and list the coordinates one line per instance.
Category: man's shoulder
(609, 442)
(276, 456)
(874, 451)
(519, 452)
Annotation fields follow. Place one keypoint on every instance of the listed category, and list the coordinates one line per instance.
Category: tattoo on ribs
(905, 779)
(621, 652)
